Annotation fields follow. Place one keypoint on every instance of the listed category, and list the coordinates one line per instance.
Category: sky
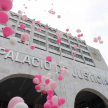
(90, 16)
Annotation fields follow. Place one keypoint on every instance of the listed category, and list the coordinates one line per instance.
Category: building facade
(82, 88)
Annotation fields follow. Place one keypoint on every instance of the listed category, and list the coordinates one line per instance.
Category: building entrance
(22, 87)
(86, 99)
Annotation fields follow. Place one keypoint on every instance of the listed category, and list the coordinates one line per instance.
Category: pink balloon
(59, 16)
(101, 42)
(50, 101)
(54, 106)
(50, 92)
(6, 50)
(81, 35)
(19, 12)
(34, 81)
(38, 29)
(47, 81)
(37, 22)
(36, 76)
(69, 34)
(25, 36)
(4, 17)
(95, 40)
(60, 77)
(61, 101)
(57, 33)
(22, 26)
(74, 53)
(43, 91)
(75, 46)
(78, 35)
(59, 40)
(49, 97)
(37, 87)
(53, 85)
(13, 31)
(78, 30)
(49, 58)
(47, 105)
(7, 31)
(99, 38)
(14, 101)
(24, 17)
(67, 30)
(32, 47)
(6, 5)
(63, 71)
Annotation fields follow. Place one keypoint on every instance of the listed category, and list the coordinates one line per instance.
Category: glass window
(53, 47)
(15, 21)
(83, 47)
(83, 43)
(65, 40)
(13, 26)
(42, 31)
(39, 36)
(65, 35)
(28, 26)
(27, 31)
(52, 41)
(72, 38)
(78, 56)
(18, 35)
(22, 30)
(52, 35)
(16, 16)
(78, 50)
(64, 45)
(89, 60)
(66, 52)
(73, 43)
(86, 53)
(4, 24)
(29, 21)
(39, 42)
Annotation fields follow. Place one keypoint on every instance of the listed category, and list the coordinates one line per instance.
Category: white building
(82, 88)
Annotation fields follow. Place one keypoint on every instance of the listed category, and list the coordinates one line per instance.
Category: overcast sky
(91, 16)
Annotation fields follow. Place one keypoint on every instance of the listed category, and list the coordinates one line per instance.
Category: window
(72, 38)
(83, 47)
(18, 35)
(78, 50)
(39, 42)
(54, 48)
(42, 31)
(64, 45)
(22, 30)
(39, 36)
(15, 21)
(52, 35)
(27, 31)
(66, 52)
(78, 56)
(52, 41)
(89, 60)
(73, 43)
(65, 35)
(65, 40)
(16, 16)
(86, 53)
(51, 30)
(29, 21)
(28, 26)
(13, 26)
(82, 42)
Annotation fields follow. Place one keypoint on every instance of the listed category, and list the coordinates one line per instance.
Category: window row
(81, 42)
(64, 45)
(65, 40)
(52, 41)
(72, 39)
(73, 43)
(77, 50)
(39, 36)
(22, 30)
(66, 52)
(52, 35)
(78, 56)
(54, 48)
(86, 53)
(39, 42)
(89, 60)
(83, 47)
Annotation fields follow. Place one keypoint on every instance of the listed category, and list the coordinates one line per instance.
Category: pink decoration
(6, 50)
(67, 30)
(36, 76)
(25, 42)
(14, 101)
(50, 92)
(81, 35)
(25, 36)
(59, 40)
(43, 91)
(7, 31)
(37, 22)
(74, 58)
(99, 38)
(61, 101)
(78, 35)
(50, 101)
(69, 34)
(47, 81)
(59, 16)
(4, 17)
(60, 77)
(75, 46)
(52, 12)
(13, 31)
(37, 87)
(34, 81)
(63, 71)
(19, 12)
(53, 85)
(101, 42)
(74, 53)
(25, 7)
(5, 5)
(78, 30)
(49, 58)
(54, 106)
(24, 17)
(49, 97)
(22, 26)
(32, 47)
(57, 33)
(38, 29)
(95, 40)
(47, 105)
